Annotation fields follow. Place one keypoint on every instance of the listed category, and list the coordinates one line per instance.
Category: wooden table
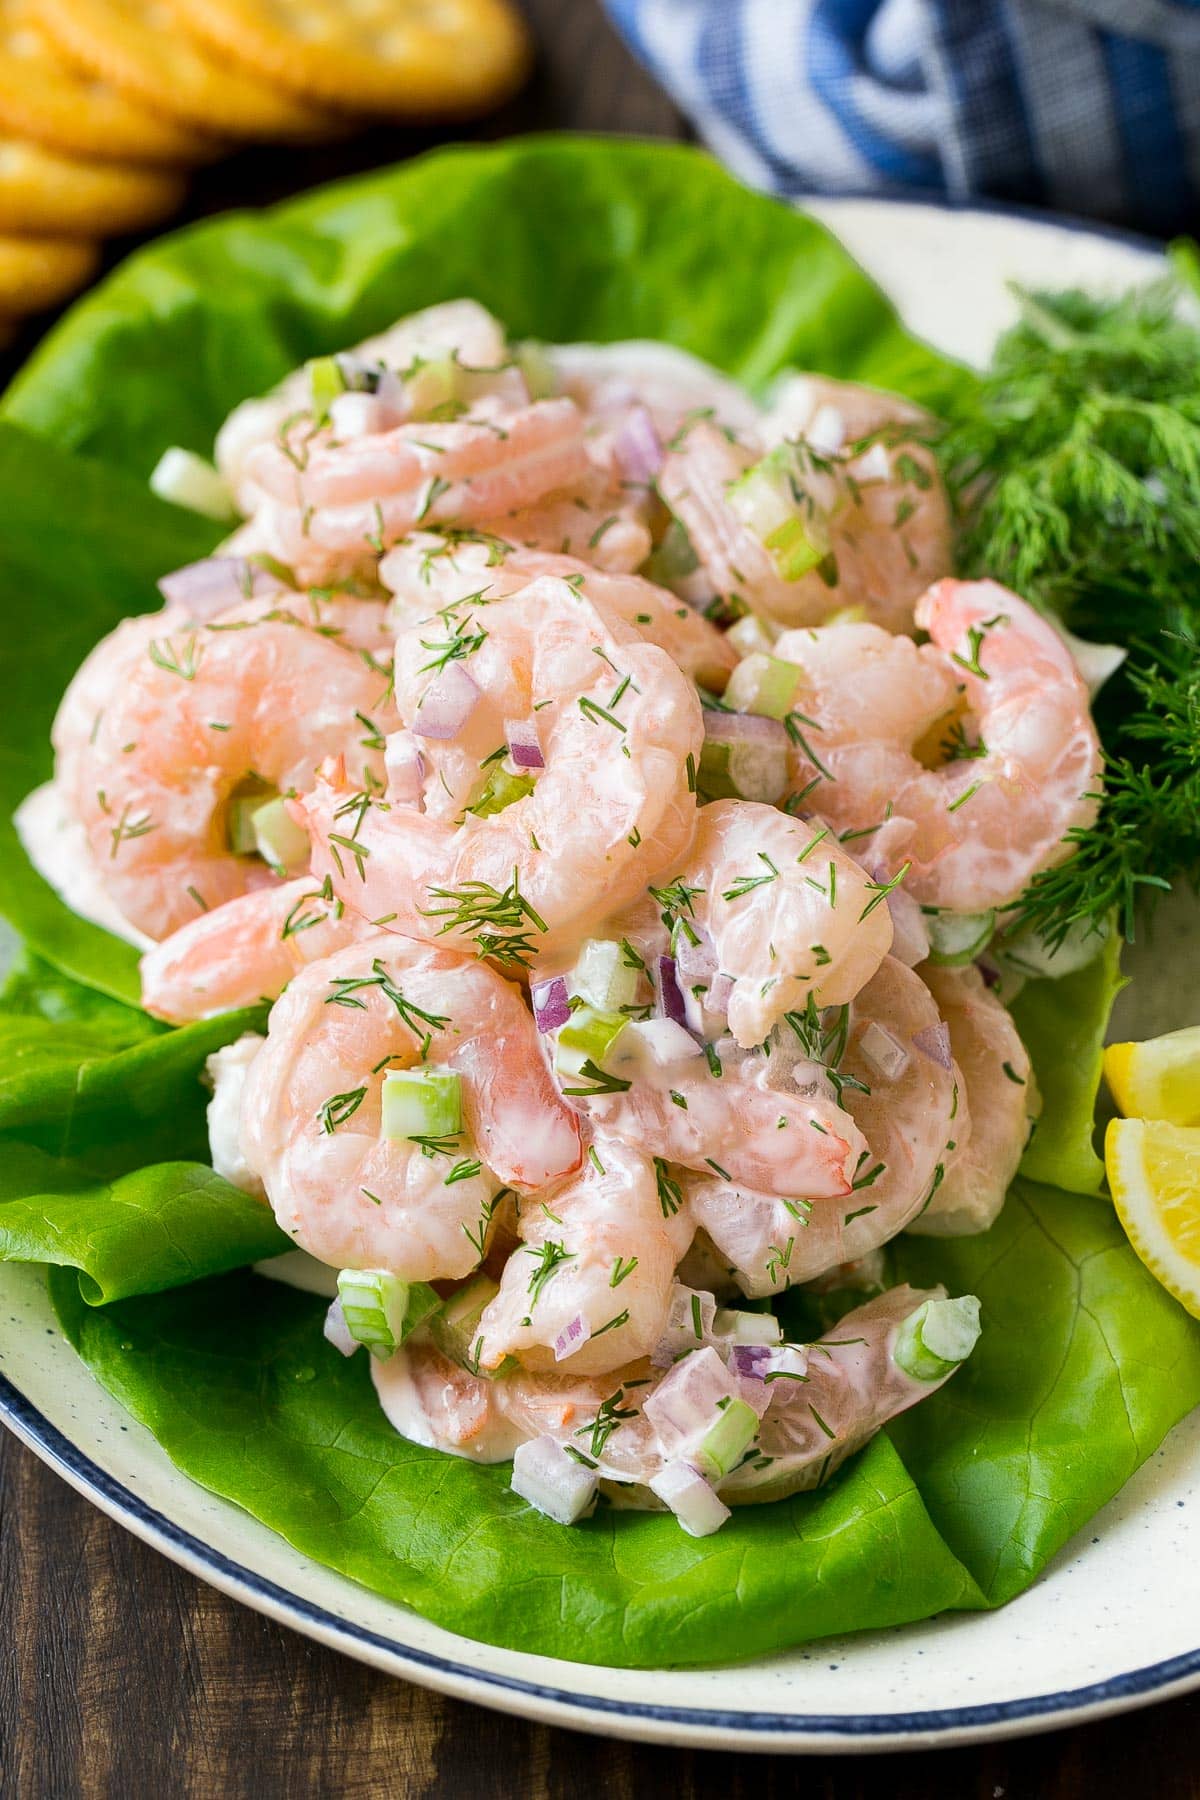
(122, 1676)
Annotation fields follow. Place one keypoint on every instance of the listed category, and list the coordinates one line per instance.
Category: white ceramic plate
(1113, 1623)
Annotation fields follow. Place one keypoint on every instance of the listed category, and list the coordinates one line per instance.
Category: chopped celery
(431, 386)
(770, 500)
(956, 939)
(602, 976)
(380, 1310)
(244, 804)
(673, 560)
(588, 1036)
(534, 363)
(726, 1440)
(752, 633)
(763, 684)
(499, 791)
(421, 1103)
(326, 382)
(935, 1339)
(746, 771)
(187, 480)
(456, 1327)
(282, 844)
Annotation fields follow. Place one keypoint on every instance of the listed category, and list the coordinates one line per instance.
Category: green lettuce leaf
(1084, 1365)
(157, 1227)
(1062, 1025)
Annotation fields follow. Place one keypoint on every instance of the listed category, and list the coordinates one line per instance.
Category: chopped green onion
(421, 1103)
(782, 515)
(500, 790)
(326, 382)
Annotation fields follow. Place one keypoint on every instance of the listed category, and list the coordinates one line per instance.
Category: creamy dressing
(57, 846)
(400, 1399)
(227, 1070)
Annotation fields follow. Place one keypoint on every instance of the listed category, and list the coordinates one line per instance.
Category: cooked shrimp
(619, 728)
(427, 572)
(458, 328)
(883, 512)
(1020, 757)
(1002, 1101)
(179, 720)
(312, 1109)
(599, 518)
(589, 1287)
(332, 508)
(898, 1084)
(606, 379)
(791, 916)
(246, 950)
(830, 414)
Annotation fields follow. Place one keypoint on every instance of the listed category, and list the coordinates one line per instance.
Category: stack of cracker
(105, 104)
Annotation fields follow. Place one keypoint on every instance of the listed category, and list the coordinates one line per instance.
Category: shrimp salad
(625, 810)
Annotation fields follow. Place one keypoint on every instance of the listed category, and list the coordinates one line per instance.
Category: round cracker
(41, 191)
(398, 58)
(43, 99)
(137, 46)
(39, 272)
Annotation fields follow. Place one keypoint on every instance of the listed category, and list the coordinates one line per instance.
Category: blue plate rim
(33, 1429)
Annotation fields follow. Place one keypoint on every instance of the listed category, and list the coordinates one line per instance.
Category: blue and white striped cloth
(1086, 106)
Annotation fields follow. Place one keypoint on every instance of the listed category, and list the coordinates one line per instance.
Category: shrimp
(427, 572)
(830, 414)
(996, 698)
(904, 1100)
(841, 1391)
(331, 508)
(789, 914)
(604, 380)
(590, 1285)
(601, 518)
(457, 328)
(256, 693)
(883, 511)
(1002, 1101)
(620, 732)
(312, 1109)
(245, 951)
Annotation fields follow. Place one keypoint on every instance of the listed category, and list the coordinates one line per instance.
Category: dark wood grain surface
(122, 1676)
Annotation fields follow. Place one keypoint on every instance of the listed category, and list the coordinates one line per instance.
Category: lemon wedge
(1159, 1079)
(1154, 1173)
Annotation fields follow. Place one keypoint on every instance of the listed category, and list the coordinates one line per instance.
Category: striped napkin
(1086, 106)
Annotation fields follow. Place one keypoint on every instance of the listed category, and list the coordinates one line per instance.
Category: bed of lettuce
(1084, 1364)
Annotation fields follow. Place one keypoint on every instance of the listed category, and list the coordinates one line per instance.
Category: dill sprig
(1076, 478)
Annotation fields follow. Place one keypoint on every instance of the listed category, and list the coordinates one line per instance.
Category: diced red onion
(679, 1331)
(694, 1501)
(662, 1041)
(683, 1405)
(750, 1361)
(446, 704)
(744, 728)
(719, 990)
(910, 939)
(693, 961)
(666, 987)
(552, 1481)
(523, 746)
(214, 585)
(389, 391)
(885, 1053)
(337, 1331)
(933, 1041)
(638, 447)
(405, 767)
(551, 1003)
(571, 1337)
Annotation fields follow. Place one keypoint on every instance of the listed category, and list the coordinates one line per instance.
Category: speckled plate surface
(1113, 1622)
